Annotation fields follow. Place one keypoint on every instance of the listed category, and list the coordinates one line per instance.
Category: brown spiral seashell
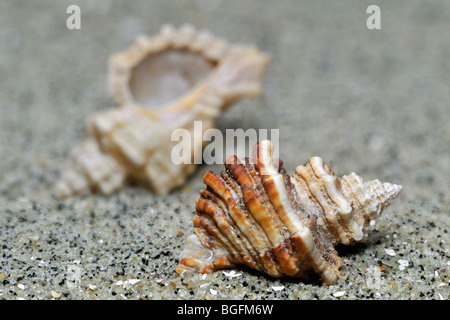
(161, 83)
(257, 215)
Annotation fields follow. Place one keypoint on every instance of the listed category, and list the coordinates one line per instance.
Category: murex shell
(161, 83)
(254, 214)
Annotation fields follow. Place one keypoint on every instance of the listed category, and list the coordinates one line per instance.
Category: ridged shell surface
(162, 83)
(254, 214)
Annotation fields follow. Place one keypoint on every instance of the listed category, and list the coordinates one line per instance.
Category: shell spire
(254, 214)
(161, 83)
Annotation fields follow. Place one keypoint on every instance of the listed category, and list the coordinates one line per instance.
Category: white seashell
(161, 83)
(257, 215)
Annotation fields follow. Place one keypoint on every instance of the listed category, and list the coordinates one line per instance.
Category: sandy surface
(371, 101)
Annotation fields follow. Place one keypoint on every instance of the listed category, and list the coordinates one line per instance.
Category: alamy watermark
(73, 22)
(374, 20)
(189, 148)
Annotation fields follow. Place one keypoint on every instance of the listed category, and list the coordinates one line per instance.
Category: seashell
(161, 83)
(254, 214)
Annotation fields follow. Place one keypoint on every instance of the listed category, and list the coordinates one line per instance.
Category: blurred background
(376, 102)
(372, 101)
